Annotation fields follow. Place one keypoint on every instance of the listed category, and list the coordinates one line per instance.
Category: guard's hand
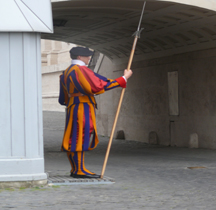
(127, 73)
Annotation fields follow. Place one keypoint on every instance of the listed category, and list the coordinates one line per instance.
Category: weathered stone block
(153, 137)
(120, 134)
(194, 142)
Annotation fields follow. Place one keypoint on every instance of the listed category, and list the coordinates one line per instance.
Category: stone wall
(55, 59)
(148, 102)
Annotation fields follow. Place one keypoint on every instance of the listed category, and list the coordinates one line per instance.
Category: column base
(23, 177)
(23, 184)
(26, 170)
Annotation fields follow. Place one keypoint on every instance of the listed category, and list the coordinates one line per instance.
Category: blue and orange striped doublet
(83, 83)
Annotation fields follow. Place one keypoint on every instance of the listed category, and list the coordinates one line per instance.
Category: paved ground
(147, 177)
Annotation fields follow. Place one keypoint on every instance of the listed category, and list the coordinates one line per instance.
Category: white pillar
(21, 134)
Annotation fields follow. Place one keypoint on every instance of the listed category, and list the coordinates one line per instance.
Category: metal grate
(67, 180)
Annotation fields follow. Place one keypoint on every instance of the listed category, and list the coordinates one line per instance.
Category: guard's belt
(74, 94)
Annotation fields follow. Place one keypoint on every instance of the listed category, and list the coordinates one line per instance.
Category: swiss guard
(78, 85)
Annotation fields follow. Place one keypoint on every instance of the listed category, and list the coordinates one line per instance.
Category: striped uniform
(80, 118)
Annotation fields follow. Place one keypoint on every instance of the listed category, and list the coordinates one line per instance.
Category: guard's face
(85, 59)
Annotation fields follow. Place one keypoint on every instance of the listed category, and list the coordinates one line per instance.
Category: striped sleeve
(98, 83)
(119, 82)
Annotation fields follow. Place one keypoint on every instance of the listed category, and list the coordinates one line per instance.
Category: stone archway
(179, 38)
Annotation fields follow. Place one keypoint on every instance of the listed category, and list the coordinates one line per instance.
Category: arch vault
(171, 27)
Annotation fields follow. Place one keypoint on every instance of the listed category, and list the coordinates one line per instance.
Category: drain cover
(67, 180)
(196, 167)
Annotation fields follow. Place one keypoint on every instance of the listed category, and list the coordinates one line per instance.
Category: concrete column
(21, 135)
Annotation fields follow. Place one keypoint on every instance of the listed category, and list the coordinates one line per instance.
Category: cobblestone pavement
(147, 177)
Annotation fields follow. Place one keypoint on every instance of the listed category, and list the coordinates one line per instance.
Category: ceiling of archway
(107, 26)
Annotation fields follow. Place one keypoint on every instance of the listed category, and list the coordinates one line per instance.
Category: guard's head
(80, 51)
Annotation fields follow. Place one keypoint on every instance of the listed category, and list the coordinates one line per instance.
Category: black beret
(81, 51)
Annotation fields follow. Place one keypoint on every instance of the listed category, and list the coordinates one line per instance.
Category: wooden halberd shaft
(137, 34)
(118, 110)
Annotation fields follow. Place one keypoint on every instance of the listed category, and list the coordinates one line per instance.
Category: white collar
(79, 62)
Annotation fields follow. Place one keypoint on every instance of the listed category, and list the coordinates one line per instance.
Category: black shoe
(88, 176)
